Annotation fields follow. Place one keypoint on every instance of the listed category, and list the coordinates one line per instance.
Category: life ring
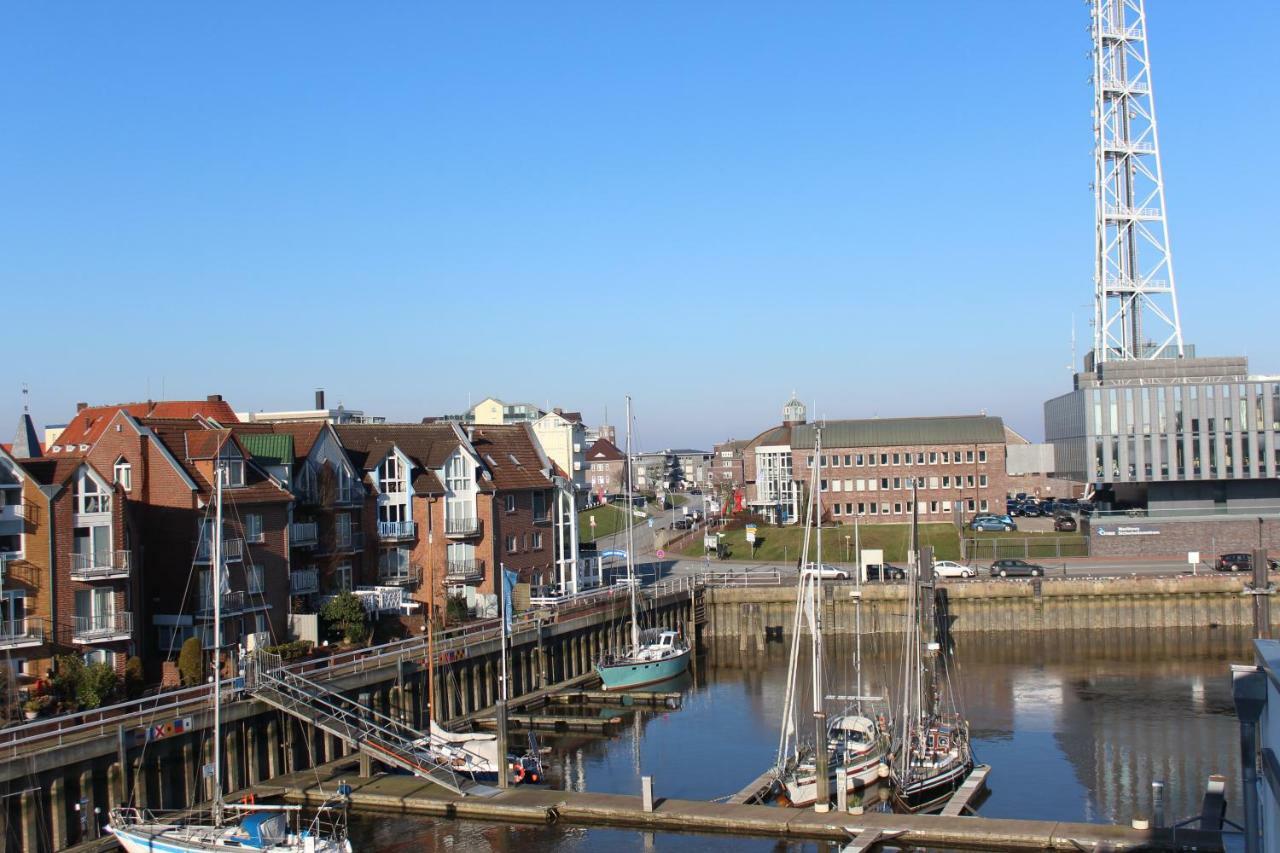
(519, 769)
(248, 799)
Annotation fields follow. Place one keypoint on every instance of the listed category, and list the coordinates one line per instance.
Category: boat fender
(882, 770)
(673, 703)
(519, 768)
(247, 799)
(553, 815)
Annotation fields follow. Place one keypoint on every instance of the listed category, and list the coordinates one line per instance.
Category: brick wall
(1173, 539)
(534, 564)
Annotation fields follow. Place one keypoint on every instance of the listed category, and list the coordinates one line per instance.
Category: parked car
(952, 569)
(1031, 509)
(1085, 507)
(695, 491)
(992, 524)
(1069, 504)
(1242, 562)
(1065, 524)
(885, 572)
(683, 523)
(1015, 568)
(827, 572)
(1048, 507)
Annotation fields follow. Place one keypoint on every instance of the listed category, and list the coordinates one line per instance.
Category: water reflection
(1076, 726)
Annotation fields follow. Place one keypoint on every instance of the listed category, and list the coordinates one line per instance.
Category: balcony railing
(232, 603)
(21, 633)
(303, 533)
(89, 567)
(400, 575)
(102, 628)
(303, 581)
(397, 530)
(462, 526)
(232, 551)
(464, 571)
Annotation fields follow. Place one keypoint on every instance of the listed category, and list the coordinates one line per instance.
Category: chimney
(214, 398)
(80, 407)
(319, 398)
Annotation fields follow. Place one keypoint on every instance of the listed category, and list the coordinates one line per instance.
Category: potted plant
(32, 707)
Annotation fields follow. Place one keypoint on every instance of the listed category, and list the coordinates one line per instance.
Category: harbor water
(1076, 726)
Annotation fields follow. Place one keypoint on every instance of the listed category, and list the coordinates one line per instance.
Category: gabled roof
(428, 445)
(206, 443)
(605, 450)
(90, 423)
(269, 448)
(178, 437)
(890, 432)
(304, 435)
(510, 453)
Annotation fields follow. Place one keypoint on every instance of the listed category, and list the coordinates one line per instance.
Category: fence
(1024, 547)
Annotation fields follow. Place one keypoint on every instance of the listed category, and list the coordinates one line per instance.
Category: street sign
(1193, 557)
(592, 519)
(751, 534)
(622, 554)
(660, 553)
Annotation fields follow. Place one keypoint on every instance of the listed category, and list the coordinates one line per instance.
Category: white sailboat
(852, 749)
(933, 755)
(226, 825)
(654, 655)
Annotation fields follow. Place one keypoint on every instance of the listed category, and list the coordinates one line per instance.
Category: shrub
(68, 670)
(191, 662)
(291, 651)
(456, 609)
(344, 618)
(97, 685)
(134, 679)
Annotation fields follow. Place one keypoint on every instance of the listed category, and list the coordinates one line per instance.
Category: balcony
(21, 634)
(378, 600)
(232, 551)
(464, 571)
(462, 527)
(303, 582)
(353, 542)
(233, 603)
(303, 534)
(109, 566)
(102, 628)
(396, 531)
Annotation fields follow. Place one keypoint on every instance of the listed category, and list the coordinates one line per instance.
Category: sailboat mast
(216, 582)
(822, 799)
(631, 539)
(857, 613)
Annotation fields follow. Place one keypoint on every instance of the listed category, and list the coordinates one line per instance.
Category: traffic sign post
(1193, 557)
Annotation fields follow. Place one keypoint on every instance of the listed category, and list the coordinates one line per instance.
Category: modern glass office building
(1178, 433)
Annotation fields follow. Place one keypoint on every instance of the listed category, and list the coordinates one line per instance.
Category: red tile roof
(188, 441)
(88, 424)
(511, 455)
(605, 450)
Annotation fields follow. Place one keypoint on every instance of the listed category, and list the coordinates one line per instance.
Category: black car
(1032, 510)
(1065, 524)
(1015, 568)
(1241, 562)
(885, 572)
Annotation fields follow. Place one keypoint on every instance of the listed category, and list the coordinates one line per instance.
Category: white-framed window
(13, 605)
(933, 457)
(920, 458)
(862, 509)
(933, 482)
(808, 462)
(946, 506)
(253, 527)
(835, 509)
(884, 508)
(897, 482)
(260, 624)
(253, 577)
(897, 459)
(906, 458)
(933, 506)
(848, 460)
(824, 485)
(875, 509)
(848, 485)
(982, 480)
(344, 484)
(946, 482)
(862, 485)
(968, 480)
(391, 475)
(510, 503)
(897, 509)
(823, 460)
(982, 505)
(342, 577)
(537, 541)
(91, 496)
(232, 466)
(123, 474)
(884, 483)
(835, 485)
(858, 458)
(848, 509)
(511, 544)
(968, 456)
(982, 456)
(884, 458)
(97, 656)
(970, 504)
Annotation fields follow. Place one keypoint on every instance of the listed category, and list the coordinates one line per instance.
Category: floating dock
(969, 791)
(408, 795)
(755, 791)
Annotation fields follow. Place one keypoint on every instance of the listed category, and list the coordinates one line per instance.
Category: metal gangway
(374, 734)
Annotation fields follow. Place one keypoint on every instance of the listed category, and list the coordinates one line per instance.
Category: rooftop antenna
(26, 398)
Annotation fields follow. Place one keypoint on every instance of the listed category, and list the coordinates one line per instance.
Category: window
(835, 485)
(946, 457)
(857, 459)
(933, 506)
(897, 459)
(907, 457)
(823, 487)
(862, 509)
(91, 546)
(91, 496)
(848, 485)
(982, 456)
(342, 576)
(897, 509)
(391, 475)
(344, 485)
(968, 481)
(968, 456)
(848, 509)
(920, 458)
(897, 482)
(884, 458)
(539, 505)
(970, 504)
(232, 466)
(253, 579)
(537, 541)
(822, 461)
(124, 474)
(982, 505)
(875, 509)
(933, 457)
(946, 482)
(342, 521)
(809, 462)
(848, 461)
(884, 509)
(510, 502)
(884, 483)
(511, 544)
(253, 527)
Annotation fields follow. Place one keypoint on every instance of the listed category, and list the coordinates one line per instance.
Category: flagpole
(504, 771)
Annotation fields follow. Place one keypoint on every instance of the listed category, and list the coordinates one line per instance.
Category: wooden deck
(755, 790)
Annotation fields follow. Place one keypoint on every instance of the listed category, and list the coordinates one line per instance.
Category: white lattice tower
(1136, 306)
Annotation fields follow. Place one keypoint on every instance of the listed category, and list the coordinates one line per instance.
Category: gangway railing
(373, 733)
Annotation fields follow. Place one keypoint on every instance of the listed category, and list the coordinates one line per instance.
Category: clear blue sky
(884, 206)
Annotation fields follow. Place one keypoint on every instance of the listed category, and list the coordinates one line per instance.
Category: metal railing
(464, 570)
(399, 571)
(303, 533)
(1114, 515)
(397, 530)
(462, 526)
(89, 567)
(17, 633)
(303, 581)
(1024, 547)
(232, 550)
(102, 627)
(232, 602)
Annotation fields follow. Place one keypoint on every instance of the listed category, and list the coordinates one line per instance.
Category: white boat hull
(863, 779)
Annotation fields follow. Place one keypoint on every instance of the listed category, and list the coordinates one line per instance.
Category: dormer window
(232, 466)
(91, 496)
(457, 476)
(391, 475)
(124, 474)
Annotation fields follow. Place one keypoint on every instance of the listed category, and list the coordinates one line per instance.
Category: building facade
(728, 465)
(562, 437)
(606, 469)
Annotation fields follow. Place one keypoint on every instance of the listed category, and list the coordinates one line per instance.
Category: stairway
(374, 734)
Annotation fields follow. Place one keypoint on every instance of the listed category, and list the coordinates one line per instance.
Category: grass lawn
(609, 520)
(783, 544)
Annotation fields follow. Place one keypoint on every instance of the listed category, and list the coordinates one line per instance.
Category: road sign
(613, 554)
(592, 519)
(1193, 557)
(660, 553)
(751, 534)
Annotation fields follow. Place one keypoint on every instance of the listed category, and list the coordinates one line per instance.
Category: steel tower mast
(1136, 307)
